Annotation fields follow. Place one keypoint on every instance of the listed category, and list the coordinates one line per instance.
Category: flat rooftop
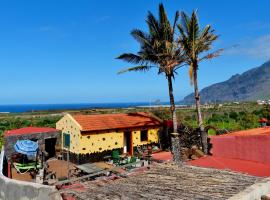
(29, 130)
(169, 181)
(249, 132)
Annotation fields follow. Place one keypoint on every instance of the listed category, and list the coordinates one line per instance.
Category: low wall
(255, 191)
(11, 189)
(252, 148)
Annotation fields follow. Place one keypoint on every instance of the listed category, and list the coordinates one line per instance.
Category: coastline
(29, 108)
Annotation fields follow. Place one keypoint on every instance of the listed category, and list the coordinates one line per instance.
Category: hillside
(251, 85)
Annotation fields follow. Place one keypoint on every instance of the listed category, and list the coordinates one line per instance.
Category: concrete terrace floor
(169, 181)
(58, 166)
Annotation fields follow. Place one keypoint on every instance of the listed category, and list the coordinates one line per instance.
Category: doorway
(128, 146)
(50, 147)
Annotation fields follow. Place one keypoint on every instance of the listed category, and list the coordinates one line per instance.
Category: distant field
(224, 117)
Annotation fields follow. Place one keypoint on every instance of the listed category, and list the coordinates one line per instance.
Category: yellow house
(91, 137)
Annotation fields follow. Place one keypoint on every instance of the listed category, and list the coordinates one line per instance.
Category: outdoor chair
(116, 157)
(132, 159)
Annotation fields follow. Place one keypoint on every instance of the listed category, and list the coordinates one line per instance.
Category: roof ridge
(91, 122)
(96, 114)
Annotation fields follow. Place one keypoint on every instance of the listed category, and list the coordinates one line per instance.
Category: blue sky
(63, 51)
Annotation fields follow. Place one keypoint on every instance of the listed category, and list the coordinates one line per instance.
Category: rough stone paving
(169, 181)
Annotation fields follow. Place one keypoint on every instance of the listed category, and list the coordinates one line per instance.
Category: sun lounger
(23, 168)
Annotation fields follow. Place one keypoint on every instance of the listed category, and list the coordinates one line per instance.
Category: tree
(196, 41)
(158, 49)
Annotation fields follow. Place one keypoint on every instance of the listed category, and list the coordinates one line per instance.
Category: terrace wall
(11, 189)
(248, 147)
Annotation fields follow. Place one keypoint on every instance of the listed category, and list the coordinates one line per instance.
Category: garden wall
(11, 189)
(11, 140)
(248, 147)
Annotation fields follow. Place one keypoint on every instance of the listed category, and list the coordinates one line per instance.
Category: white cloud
(252, 47)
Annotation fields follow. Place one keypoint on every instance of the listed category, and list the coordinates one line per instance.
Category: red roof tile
(263, 120)
(29, 130)
(115, 121)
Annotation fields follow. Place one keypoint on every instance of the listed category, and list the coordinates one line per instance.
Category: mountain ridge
(249, 86)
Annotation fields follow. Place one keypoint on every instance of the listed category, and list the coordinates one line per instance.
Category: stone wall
(40, 137)
(11, 189)
(255, 191)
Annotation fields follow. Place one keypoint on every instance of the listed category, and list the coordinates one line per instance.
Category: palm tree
(158, 49)
(196, 43)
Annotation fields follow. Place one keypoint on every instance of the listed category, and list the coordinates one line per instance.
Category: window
(66, 140)
(144, 135)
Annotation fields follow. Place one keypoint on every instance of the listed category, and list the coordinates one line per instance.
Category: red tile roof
(263, 120)
(116, 121)
(29, 130)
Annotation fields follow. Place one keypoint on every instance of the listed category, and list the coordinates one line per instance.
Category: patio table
(88, 168)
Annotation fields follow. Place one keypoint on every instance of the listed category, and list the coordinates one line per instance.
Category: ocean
(49, 107)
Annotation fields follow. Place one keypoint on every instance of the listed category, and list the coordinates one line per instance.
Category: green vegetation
(13, 122)
(231, 117)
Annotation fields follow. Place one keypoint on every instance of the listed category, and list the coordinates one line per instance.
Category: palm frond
(153, 25)
(164, 24)
(194, 40)
(142, 37)
(212, 55)
(194, 26)
(158, 46)
(142, 68)
(176, 17)
(185, 22)
(131, 58)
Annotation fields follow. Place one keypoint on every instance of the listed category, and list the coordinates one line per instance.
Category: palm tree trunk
(174, 137)
(172, 108)
(199, 114)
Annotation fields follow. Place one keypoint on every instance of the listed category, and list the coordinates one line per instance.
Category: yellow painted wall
(98, 142)
(92, 142)
(152, 137)
(68, 125)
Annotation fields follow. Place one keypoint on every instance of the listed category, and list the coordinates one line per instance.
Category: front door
(128, 147)
(50, 146)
